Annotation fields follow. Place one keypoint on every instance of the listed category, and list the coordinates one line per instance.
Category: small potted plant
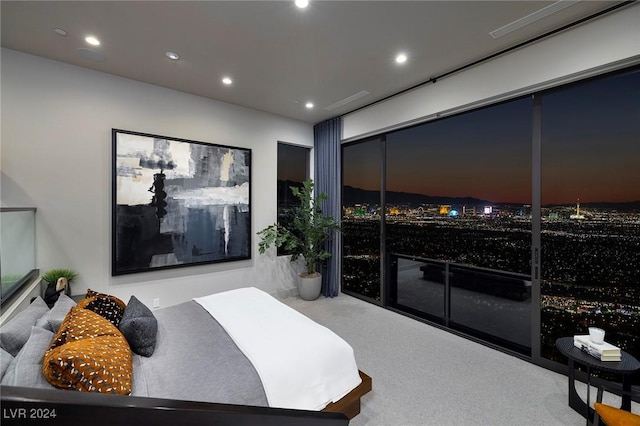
(58, 280)
(310, 230)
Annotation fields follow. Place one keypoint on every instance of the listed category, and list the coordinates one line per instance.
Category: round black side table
(626, 367)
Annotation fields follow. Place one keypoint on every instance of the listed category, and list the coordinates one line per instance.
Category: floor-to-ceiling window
(453, 215)
(458, 221)
(361, 218)
(590, 218)
(293, 169)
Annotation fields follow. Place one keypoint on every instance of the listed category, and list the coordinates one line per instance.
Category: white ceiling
(279, 56)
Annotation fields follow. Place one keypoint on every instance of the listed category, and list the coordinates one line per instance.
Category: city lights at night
(460, 192)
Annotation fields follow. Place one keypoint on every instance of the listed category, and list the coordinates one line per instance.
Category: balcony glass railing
(492, 305)
(17, 249)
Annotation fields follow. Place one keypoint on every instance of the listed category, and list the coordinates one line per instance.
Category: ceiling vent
(532, 17)
(91, 54)
(345, 101)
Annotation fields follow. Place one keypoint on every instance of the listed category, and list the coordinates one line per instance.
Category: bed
(213, 361)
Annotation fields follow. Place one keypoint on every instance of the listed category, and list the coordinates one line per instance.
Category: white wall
(56, 156)
(608, 43)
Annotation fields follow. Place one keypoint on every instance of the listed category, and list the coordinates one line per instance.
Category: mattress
(196, 360)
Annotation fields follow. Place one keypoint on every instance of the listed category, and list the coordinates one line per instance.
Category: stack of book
(603, 351)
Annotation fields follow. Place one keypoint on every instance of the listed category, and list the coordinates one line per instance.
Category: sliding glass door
(458, 222)
(440, 218)
(590, 221)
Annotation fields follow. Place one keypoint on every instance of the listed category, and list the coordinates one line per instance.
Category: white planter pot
(310, 287)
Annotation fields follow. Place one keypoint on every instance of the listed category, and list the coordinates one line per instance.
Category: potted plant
(306, 238)
(58, 280)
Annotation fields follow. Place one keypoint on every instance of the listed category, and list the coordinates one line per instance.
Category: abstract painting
(178, 203)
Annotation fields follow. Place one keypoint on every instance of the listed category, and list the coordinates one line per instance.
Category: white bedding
(302, 364)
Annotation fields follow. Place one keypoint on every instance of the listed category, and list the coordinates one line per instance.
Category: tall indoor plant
(306, 238)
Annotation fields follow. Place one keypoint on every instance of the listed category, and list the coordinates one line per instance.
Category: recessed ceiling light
(60, 32)
(92, 41)
(401, 58)
(227, 80)
(309, 105)
(173, 56)
(302, 3)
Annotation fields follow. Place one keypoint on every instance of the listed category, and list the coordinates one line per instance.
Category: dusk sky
(590, 150)
(591, 142)
(292, 162)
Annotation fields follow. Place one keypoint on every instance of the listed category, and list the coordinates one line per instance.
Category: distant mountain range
(351, 196)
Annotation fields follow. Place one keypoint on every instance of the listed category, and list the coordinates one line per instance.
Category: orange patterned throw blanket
(90, 354)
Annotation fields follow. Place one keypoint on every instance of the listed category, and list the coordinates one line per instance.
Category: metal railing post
(447, 295)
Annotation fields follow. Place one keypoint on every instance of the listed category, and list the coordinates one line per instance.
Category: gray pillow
(60, 310)
(43, 322)
(15, 333)
(26, 368)
(140, 327)
(5, 360)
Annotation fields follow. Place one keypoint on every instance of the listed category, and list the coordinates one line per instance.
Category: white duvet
(302, 364)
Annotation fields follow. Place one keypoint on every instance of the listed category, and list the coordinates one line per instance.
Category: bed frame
(349, 405)
(23, 406)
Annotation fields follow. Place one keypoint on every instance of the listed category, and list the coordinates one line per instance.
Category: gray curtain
(327, 136)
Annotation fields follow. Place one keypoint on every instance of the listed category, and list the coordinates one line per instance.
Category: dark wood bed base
(24, 406)
(349, 405)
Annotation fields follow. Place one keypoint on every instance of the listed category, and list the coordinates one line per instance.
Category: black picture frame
(178, 202)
